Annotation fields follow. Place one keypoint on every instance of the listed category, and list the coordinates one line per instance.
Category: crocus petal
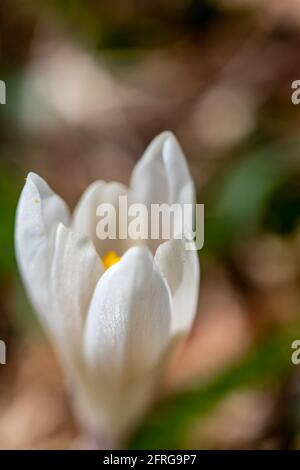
(180, 267)
(126, 336)
(85, 217)
(75, 271)
(162, 175)
(39, 209)
(129, 317)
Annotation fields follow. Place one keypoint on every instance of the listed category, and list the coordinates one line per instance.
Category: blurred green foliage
(10, 186)
(236, 209)
(148, 24)
(283, 214)
(269, 362)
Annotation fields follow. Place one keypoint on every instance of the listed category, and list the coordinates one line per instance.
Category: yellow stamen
(110, 258)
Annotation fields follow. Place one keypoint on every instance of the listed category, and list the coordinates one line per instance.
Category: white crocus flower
(113, 328)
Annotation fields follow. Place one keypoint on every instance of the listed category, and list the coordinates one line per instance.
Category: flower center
(110, 258)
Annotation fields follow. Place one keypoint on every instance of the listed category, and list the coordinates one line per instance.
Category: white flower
(112, 328)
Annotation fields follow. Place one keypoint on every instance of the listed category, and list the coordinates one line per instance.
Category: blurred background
(89, 84)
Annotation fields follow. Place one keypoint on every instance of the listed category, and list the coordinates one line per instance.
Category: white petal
(180, 182)
(162, 175)
(180, 267)
(85, 219)
(126, 339)
(39, 209)
(75, 271)
(129, 318)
